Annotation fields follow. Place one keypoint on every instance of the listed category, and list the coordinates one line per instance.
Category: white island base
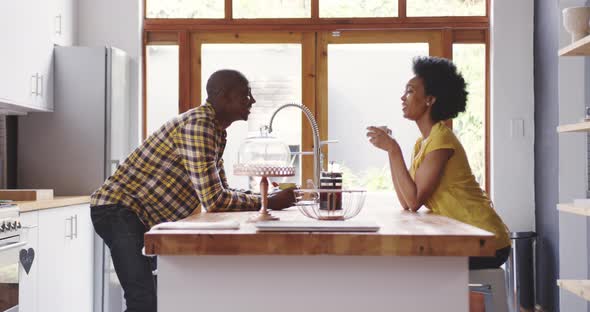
(312, 283)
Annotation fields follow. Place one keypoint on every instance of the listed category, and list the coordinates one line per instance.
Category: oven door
(9, 262)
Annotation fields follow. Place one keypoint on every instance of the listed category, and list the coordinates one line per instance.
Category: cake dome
(264, 155)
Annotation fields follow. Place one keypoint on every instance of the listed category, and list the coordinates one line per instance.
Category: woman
(440, 177)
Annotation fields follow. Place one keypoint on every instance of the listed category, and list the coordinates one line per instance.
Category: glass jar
(331, 180)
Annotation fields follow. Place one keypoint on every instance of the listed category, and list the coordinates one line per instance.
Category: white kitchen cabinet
(63, 262)
(41, 54)
(16, 29)
(28, 282)
(63, 22)
(30, 28)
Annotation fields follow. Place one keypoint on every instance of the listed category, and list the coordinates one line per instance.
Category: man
(178, 169)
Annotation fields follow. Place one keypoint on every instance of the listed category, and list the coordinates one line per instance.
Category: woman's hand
(381, 138)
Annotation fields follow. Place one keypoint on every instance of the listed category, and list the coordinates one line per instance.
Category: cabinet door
(80, 257)
(63, 26)
(27, 288)
(17, 28)
(55, 232)
(41, 56)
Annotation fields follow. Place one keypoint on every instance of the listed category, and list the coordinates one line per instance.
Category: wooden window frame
(456, 29)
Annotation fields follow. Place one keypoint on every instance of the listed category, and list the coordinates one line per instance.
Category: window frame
(453, 29)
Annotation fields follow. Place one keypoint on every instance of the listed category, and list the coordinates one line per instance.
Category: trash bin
(520, 272)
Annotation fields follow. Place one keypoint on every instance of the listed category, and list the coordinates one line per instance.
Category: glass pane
(470, 125)
(185, 9)
(162, 85)
(446, 7)
(378, 74)
(271, 8)
(274, 72)
(358, 8)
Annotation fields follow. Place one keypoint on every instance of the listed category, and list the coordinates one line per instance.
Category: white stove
(10, 225)
(10, 248)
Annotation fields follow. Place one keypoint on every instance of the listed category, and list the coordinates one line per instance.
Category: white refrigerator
(77, 146)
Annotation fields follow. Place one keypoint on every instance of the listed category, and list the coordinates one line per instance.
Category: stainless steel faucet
(316, 138)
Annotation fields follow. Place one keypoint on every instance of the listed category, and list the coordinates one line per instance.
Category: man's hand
(281, 199)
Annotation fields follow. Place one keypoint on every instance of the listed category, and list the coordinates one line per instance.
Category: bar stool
(492, 284)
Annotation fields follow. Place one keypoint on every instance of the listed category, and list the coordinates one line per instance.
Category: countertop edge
(318, 244)
(57, 202)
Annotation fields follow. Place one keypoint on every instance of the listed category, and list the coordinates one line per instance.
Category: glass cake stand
(264, 156)
(263, 171)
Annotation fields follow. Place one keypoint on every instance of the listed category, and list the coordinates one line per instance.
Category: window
(270, 87)
(470, 126)
(358, 8)
(271, 8)
(161, 85)
(378, 84)
(446, 7)
(324, 54)
(184, 9)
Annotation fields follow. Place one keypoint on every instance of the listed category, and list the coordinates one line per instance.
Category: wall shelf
(578, 48)
(578, 287)
(571, 208)
(577, 127)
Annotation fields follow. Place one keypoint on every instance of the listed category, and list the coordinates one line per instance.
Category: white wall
(573, 238)
(118, 24)
(512, 103)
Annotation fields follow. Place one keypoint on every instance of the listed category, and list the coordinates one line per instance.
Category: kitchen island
(415, 262)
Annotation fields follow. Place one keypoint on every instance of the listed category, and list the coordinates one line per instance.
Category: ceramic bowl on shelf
(576, 21)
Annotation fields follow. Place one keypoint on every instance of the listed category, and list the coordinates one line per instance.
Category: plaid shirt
(177, 169)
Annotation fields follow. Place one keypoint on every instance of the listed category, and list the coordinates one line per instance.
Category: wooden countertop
(58, 201)
(402, 233)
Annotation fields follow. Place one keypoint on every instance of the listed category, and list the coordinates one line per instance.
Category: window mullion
(229, 10)
(401, 8)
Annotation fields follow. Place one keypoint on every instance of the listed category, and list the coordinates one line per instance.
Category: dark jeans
(122, 232)
(480, 263)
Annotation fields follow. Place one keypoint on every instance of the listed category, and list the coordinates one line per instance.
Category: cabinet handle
(34, 84)
(58, 24)
(76, 226)
(71, 235)
(40, 85)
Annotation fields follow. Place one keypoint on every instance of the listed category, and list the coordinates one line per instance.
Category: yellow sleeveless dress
(458, 195)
